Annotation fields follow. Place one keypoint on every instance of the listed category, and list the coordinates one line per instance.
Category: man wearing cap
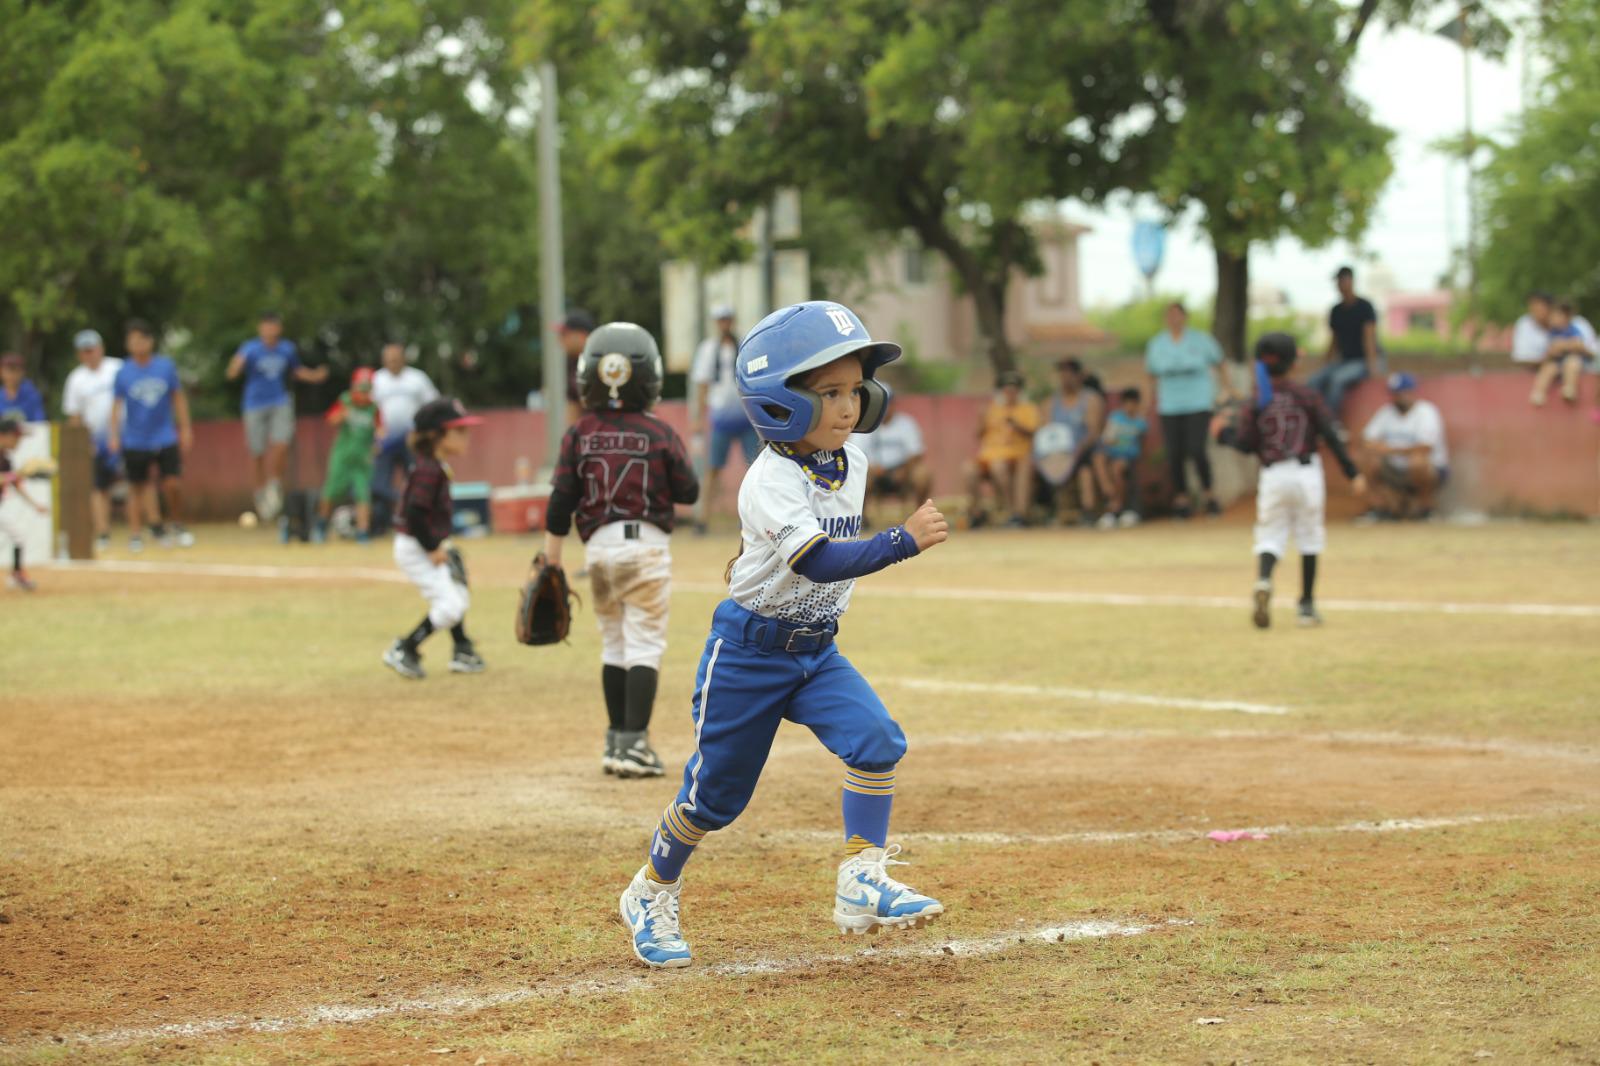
(719, 408)
(1352, 344)
(1403, 456)
(267, 362)
(574, 333)
(18, 396)
(86, 400)
(399, 390)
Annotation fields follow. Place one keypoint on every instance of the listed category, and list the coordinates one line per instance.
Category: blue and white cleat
(650, 911)
(868, 899)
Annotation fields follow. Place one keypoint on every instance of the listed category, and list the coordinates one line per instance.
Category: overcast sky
(1413, 81)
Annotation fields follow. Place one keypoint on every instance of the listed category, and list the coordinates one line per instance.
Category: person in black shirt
(1352, 348)
(422, 546)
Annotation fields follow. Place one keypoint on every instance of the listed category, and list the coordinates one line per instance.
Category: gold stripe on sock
(857, 844)
(881, 775)
(680, 827)
(851, 786)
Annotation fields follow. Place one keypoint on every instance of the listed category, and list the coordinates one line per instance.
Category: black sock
(458, 633)
(641, 697)
(16, 559)
(1308, 577)
(1267, 561)
(614, 681)
(423, 631)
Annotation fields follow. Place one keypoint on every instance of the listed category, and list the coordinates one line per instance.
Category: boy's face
(1539, 309)
(1560, 319)
(11, 374)
(1011, 394)
(1130, 406)
(838, 387)
(454, 442)
(9, 441)
(139, 344)
(361, 397)
(269, 330)
(394, 358)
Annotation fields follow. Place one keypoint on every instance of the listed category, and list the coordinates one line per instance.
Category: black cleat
(466, 660)
(404, 661)
(635, 757)
(1262, 615)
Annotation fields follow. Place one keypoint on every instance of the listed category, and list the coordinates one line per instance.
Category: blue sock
(674, 841)
(868, 797)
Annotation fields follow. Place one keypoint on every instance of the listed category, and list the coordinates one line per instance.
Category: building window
(1422, 322)
(914, 268)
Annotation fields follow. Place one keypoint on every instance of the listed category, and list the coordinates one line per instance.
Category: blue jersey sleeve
(829, 560)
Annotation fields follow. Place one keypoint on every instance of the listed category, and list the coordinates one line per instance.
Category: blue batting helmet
(793, 340)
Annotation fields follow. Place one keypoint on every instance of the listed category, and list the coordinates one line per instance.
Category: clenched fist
(928, 526)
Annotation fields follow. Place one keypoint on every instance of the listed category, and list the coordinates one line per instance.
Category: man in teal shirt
(1184, 369)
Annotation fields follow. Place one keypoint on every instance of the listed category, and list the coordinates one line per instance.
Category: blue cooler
(469, 501)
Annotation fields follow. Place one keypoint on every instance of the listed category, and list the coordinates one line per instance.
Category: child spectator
(1567, 355)
(1005, 453)
(18, 396)
(150, 429)
(1117, 458)
(350, 461)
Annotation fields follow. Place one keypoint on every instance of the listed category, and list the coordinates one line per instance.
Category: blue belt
(767, 635)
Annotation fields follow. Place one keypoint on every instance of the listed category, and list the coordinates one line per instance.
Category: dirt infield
(227, 834)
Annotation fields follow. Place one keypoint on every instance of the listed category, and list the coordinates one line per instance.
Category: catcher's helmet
(620, 369)
(793, 340)
(1277, 351)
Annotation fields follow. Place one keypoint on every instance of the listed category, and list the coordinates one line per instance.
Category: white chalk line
(242, 570)
(1184, 836)
(1087, 695)
(1082, 599)
(466, 1002)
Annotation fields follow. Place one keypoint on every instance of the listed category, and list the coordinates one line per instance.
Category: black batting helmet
(620, 369)
(1277, 351)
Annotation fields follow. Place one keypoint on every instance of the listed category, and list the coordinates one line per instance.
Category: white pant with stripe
(447, 600)
(632, 584)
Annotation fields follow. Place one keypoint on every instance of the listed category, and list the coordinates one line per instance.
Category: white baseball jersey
(782, 515)
(1422, 424)
(89, 394)
(399, 396)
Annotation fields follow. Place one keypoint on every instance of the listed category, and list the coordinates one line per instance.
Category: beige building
(911, 294)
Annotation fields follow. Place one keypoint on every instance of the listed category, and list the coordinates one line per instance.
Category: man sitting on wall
(1403, 454)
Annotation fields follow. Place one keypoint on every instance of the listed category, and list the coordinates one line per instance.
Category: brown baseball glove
(544, 614)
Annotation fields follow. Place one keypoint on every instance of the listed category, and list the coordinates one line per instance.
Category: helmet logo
(614, 371)
(841, 321)
(756, 365)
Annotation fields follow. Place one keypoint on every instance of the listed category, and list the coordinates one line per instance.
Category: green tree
(1260, 132)
(1540, 188)
(948, 120)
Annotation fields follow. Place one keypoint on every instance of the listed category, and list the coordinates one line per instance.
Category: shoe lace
(877, 869)
(662, 914)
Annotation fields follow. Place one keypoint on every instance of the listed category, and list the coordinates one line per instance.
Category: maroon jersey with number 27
(619, 466)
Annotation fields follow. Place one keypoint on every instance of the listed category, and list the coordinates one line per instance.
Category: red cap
(361, 380)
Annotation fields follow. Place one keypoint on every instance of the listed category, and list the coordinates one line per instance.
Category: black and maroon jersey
(425, 510)
(1289, 426)
(619, 466)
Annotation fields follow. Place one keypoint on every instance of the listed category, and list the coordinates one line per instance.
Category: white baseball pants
(447, 601)
(1290, 500)
(632, 584)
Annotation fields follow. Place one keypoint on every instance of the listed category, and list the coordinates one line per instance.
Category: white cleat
(650, 911)
(868, 899)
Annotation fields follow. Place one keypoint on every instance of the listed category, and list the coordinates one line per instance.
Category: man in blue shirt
(18, 397)
(150, 428)
(1184, 369)
(267, 362)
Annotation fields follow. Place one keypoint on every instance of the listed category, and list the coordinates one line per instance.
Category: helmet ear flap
(810, 410)
(875, 398)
